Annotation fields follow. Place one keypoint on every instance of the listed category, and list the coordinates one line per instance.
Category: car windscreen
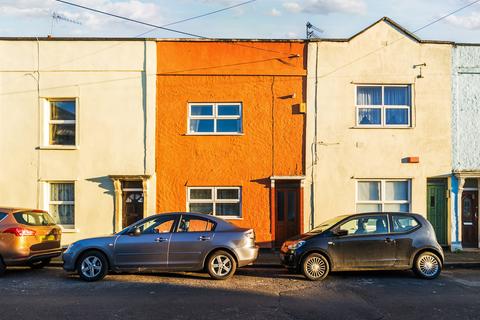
(34, 218)
(2, 215)
(328, 224)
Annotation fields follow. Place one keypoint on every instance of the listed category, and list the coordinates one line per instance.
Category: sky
(262, 19)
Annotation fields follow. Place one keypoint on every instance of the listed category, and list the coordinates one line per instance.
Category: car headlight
(296, 244)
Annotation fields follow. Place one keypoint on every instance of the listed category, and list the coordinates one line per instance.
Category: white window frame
(383, 107)
(215, 117)
(47, 122)
(382, 201)
(48, 202)
(215, 201)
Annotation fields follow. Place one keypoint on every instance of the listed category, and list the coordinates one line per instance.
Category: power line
(199, 16)
(131, 20)
(171, 30)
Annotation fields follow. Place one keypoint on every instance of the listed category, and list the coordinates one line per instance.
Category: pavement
(253, 293)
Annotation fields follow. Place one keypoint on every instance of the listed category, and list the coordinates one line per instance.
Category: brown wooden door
(470, 219)
(287, 214)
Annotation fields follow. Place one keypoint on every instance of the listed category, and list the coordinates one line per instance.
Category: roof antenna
(57, 17)
(311, 31)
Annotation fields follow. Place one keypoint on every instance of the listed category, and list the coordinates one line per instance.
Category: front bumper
(288, 259)
(68, 261)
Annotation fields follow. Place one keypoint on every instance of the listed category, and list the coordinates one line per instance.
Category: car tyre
(221, 265)
(40, 264)
(427, 265)
(3, 267)
(92, 266)
(315, 267)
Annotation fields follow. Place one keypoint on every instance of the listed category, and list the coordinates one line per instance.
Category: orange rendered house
(230, 132)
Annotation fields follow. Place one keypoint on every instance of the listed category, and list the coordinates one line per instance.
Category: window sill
(58, 148)
(69, 230)
(382, 127)
(214, 134)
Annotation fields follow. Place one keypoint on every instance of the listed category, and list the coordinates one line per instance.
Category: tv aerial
(58, 17)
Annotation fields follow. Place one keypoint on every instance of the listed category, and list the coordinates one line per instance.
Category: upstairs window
(214, 118)
(61, 126)
(384, 106)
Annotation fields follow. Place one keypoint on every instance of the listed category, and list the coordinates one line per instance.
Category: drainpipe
(314, 145)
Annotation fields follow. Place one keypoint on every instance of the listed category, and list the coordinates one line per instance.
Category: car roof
(9, 210)
(221, 224)
(411, 214)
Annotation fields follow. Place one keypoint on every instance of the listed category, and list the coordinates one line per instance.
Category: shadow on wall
(106, 184)
(263, 181)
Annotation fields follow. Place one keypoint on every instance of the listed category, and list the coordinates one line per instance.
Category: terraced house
(78, 124)
(466, 145)
(230, 132)
(379, 126)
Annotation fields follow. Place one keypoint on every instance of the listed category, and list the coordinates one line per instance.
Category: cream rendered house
(378, 134)
(77, 119)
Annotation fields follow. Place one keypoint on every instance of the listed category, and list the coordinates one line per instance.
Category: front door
(470, 219)
(132, 193)
(368, 244)
(287, 214)
(149, 249)
(437, 208)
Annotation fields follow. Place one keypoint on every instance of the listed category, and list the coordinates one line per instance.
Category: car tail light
(20, 232)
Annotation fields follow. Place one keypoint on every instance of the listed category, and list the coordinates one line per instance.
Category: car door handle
(204, 238)
(161, 239)
(389, 240)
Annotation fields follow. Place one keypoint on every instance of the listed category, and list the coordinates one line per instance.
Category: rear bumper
(247, 256)
(33, 258)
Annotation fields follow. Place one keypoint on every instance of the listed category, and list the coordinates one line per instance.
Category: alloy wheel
(221, 265)
(315, 267)
(428, 265)
(91, 266)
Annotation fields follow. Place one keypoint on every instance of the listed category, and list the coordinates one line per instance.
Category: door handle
(389, 240)
(204, 238)
(161, 239)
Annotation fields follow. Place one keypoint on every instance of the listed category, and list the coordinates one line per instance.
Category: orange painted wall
(273, 130)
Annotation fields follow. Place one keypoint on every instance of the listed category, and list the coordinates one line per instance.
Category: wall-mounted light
(420, 76)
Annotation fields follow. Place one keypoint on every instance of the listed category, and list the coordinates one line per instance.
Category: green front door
(437, 208)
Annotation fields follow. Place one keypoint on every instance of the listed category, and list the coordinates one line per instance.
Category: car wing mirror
(340, 232)
(134, 232)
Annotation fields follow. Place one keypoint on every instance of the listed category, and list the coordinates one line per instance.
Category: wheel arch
(95, 249)
(212, 251)
(316, 250)
(427, 249)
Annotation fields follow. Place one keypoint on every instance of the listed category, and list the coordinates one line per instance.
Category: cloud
(134, 9)
(471, 22)
(326, 6)
(275, 13)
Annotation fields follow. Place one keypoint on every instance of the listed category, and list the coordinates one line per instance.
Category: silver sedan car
(166, 242)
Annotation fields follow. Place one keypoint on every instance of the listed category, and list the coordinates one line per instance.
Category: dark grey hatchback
(367, 241)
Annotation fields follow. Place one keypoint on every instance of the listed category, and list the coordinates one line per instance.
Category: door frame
(273, 204)
(477, 193)
(437, 182)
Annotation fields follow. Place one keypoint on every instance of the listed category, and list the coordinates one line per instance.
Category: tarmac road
(254, 293)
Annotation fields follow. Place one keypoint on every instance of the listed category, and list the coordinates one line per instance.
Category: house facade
(78, 125)
(466, 145)
(230, 132)
(378, 132)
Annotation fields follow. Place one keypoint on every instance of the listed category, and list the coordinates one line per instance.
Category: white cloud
(134, 9)
(275, 13)
(292, 35)
(326, 6)
(471, 21)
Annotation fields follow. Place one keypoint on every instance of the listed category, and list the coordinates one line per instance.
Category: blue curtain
(369, 96)
(397, 96)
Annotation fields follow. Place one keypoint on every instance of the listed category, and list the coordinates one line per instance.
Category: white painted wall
(114, 83)
(466, 107)
(379, 55)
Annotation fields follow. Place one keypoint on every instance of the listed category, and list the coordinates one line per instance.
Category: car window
(403, 223)
(33, 218)
(366, 225)
(2, 215)
(194, 224)
(157, 225)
